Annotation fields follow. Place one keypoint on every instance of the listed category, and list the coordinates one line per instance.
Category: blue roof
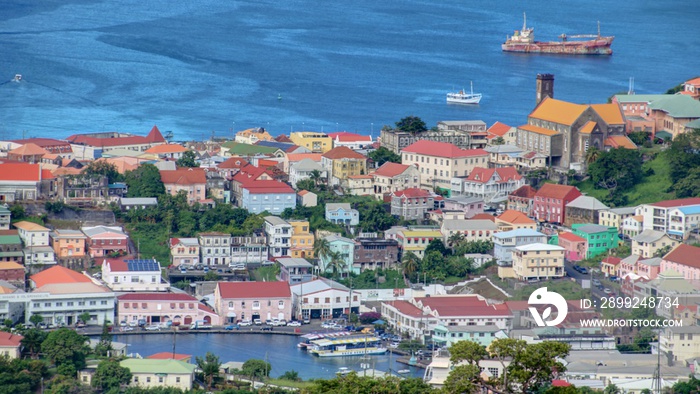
(274, 144)
(117, 185)
(521, 232)
(142, 265)
(690, 210)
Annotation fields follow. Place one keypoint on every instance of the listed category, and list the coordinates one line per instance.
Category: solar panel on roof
(142, 265)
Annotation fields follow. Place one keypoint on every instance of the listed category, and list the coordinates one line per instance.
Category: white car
(153, 327)
(294, 323)
(245, 323)
(133, 323)
(607, 291)
(257, 322)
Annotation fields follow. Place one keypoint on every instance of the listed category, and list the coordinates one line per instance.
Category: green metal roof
(678, 106)
(637, 98)
(10, 239)
(664, 135)
(12, 254)
(243, 149)
(155, 366)
(694, 124)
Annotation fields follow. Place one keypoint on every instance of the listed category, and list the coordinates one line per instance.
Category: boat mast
(524, 22)
(598, 29)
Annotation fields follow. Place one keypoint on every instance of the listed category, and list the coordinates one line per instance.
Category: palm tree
(410, 264)
(32, 341)
(316, 177)
(592, 154)
(455, 239)
(322, 249)
(336, 263)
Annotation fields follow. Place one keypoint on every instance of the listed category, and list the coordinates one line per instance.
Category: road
(595, 292)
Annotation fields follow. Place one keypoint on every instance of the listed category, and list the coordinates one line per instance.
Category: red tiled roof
(265, 187)
(390, 169)
(283, 138)
(406, 308)
(58, 274)
(343, 152)
(169, 356)
(8, 339)
(167, 148)
(571, 237)
(483, 216)
(184, 176)
(156, 297)
(525, 191)
(205, 308)
(344, 136)
(234, 162)
(247, 290)
(685, 255)
(560, 383)
(294, 157)
(412, 192)
(620, 141)
(28, 149)
(463, 305)
(550, 190)
(682, 202)
(303, 192)
(154, 136)
(483, 175)
(442, 149)
(249, 174)
(46, 174)
(498, 129)
(694, 81)
(359, 176)
(612, 260)
(14, 171)
(515, 217)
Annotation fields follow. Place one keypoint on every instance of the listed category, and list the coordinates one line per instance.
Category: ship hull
(593, 47)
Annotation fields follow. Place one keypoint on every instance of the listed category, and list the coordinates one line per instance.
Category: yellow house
(68, 243)
(302, 241)
(149, 373)
(538, 261)
(313, 141)
(514, 220)
(343, 162)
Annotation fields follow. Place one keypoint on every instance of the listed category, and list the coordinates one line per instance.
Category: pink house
(163, 307)
(236, 301)
(550, 202)
(684, 259)
(193, 181)
(574, 246)
(649, 268)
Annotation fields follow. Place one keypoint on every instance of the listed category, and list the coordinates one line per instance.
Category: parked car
(607, 291)
(269, 328)
(306, 321)
(232, 327)
(125, 329)
(614, 278)
(268, 262)
(271, 322)
(78, 325)
(122, 323)
(245, 323)
(257, 322)
(294, 323)
(394, 345)
(584, 270)
(133, 323)
(153, 327)
(281, 322)
(219, 271)
(596, 282)
(237, 267)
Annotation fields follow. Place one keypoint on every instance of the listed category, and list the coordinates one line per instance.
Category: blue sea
(199, 67)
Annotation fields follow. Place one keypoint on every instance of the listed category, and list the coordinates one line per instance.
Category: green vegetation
(383, 155)
(616, 171)
(568, 289)
(103, 168)
(684, 163)
(110, 376)
(209, 366)
(187, 160)
(374, 279)
(266, 273)
(411, 124)
(352, 383)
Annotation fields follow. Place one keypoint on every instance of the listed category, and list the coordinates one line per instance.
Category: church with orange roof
(564, 131)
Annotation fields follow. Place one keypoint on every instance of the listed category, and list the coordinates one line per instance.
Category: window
(136, 379)
(230, 304)
(148, 379)
(177, 379)
(256, 304)
(160, 379)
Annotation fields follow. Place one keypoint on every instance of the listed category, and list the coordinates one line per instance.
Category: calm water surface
(279, 350)
(200, 66)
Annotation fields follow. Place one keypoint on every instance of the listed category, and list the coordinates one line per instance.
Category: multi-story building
(664, 115)
(215, 248)
(345, 248)
(351, 140)
(235, 301)
(417, 317)
(295, 270)
(684, 221)
(5, 218)
(149, 373)
(304, 170)
(25, 182)
(343, 162)
(683, 259)
(439, 162)
(648, 242)
(505, 242)
(490, 184)
(575, 247)
(32, 234)
(584, 209)
(609, 266)
(373, 253)
(472, 229)
(358, 185)
(12, 272)
(632, 226)
(82, 190)
(468, 206)
(167, 151)
(458, 134)
(482, 334)
(416, 239)
(614, 217)
(342, 213)
(522, 199)
(412, 204)
(550, 202)
(599, 239)
(193, 181)
(60, 295)
(184, 251)
(511, 219)
(279, 236)
(323, 298)
(538, 261)
(681, 343)
(11, 246)
(104, 142)
(502, 130)
(267, 196)
(155, 308)
(657, 215)
(69, 246)
(105, 240)
(249, 249)
(315, 142)
(391, 177)
(10, 345)
(302, 241)
(133, 275)
(252, 136)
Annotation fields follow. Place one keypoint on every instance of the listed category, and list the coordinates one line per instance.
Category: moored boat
(307, 338)
(359, 345)
(462, 97)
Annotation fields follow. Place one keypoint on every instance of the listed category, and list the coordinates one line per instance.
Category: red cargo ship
(524, 41)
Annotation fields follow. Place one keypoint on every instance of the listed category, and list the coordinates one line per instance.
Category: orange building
(68, 243)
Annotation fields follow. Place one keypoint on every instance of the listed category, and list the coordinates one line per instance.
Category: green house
(600, 239)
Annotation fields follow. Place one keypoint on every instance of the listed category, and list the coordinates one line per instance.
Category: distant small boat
(463, 97)
(17, 78)
(344, 371)
(279, 97)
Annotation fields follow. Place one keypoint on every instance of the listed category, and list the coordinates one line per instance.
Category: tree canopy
(188, 159)
(411, 124)
(66, 347)
(144, 181)
(684, 160)
(110, 376)
(383, 155)
(617, 170)
(105, 168)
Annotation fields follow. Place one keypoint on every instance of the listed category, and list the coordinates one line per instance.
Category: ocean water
(209, 66)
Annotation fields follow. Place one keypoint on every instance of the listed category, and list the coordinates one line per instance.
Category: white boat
(360, 345)
(463, 97)
(307, 338)
(344, 371)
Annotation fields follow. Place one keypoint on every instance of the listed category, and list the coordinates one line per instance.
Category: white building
(505, 242)
(32, 234)
(683, 221)
(490, 184)
(133, 275)
(632, 225)
(657, 215)
(279, 234)
(320, 298)
(39, 255)
(303, 170)
(215, 248)
(472, 229)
